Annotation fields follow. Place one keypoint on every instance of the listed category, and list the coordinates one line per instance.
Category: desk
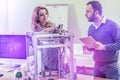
(7, 76)
(87, 77)
(80, 77)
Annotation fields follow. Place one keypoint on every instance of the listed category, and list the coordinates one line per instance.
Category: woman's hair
(35, 19)
(35, 15)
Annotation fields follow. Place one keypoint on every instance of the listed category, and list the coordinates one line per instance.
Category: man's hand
(99, 46)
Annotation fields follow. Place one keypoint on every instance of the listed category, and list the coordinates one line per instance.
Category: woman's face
(43, 15)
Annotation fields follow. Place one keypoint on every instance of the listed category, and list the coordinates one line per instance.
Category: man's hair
(96, 6)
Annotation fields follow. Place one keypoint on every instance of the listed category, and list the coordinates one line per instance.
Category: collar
(103, 21)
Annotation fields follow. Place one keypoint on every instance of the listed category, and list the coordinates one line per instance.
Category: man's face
(90, 14)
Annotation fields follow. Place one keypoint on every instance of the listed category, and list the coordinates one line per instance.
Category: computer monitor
(12, 48)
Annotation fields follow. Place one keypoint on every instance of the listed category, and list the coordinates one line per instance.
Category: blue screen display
(13, 46)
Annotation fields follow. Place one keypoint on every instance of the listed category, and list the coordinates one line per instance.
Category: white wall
(3, 17)
(15, 16)
(19, 18)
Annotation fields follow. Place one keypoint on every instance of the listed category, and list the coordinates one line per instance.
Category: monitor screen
(13, 46)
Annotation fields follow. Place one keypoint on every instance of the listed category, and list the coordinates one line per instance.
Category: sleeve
(115, 34)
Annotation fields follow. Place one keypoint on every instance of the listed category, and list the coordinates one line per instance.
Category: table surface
(9, 76)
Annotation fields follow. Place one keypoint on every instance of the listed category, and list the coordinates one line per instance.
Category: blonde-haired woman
(40, 23)
(39, 20)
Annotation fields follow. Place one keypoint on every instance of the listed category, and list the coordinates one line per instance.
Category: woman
(39, 20)
(40, 23)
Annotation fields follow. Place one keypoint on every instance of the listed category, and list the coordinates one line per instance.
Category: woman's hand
(49, 29)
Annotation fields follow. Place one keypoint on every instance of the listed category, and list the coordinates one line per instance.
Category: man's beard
(92, 18)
